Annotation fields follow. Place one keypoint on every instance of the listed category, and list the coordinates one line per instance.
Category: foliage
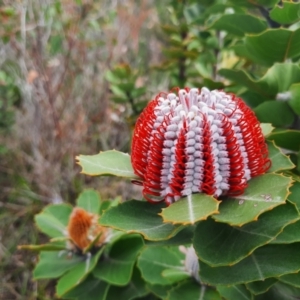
(199, 247)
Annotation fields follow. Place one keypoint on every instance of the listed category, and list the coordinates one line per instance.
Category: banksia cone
(191, 141)
(83, 228)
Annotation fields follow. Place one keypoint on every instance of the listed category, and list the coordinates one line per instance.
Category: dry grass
(57, 52)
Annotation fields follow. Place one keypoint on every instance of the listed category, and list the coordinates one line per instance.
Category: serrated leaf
(239, 24)
(135, 289)
(191, 209)
(290, 173)
(273, 45)
(291, 279)
(266, 262)
(290, 234)
(104, 205)
(266, 128)
(277, 113)
(53, 264)
(294, 196)
(154, 260)
(280, 291)
(239, 242)
(190, 289)
(139, 217)
(89, 200)
(286, 138)
(184, 237)
(235, 292)
(279, 160)
(287, 13)
(107, 163)
(260, 287)
(77, 274)
(277, 79)
(54, 219)
(117, 267)
(91, 288)
(262, 194)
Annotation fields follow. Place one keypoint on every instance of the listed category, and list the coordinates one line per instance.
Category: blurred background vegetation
(74, 76)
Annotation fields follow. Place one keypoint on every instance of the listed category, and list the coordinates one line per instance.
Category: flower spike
(191, 141)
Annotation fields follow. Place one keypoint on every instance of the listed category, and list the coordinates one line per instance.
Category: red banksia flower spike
(191, 141)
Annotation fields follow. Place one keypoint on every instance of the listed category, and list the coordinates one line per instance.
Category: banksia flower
(191, 141)
(83, 229)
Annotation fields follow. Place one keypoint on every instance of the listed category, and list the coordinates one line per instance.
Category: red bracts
(192, 141)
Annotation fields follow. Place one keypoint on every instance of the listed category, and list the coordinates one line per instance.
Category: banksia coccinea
(191, 141)
(83, 229)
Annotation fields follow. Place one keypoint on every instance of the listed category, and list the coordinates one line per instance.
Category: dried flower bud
(190, 141)
(83, 228)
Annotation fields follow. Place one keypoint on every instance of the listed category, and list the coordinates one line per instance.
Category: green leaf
(136, 288)
(91, 288)
(265, 262)
(183, 237)
(77, 274)
(120, 93)
(273, 45)
(190, 209)
(277, 79)
(251, 98)
(295, 97)
(138, 92)
(154, 260)
(290, 234)
(52, 246)
(266, 3)
(117, 267)
(291, 279)
(55, 44)
(280, 291)
(104, 205)
(112, 77)
(190, 289)
(139, 217)
(288, 13)
(294, 196)
(278, 113)
(260, 287)
(239, 242)
(263, 193)
(239, 24)
(54, 264)
(290, 173)
(54, 219)
(288, 139)
(89, 200)
(235, 292)
(107, 163)
(161, 291)
(266, 128)
(279, 160)
(175, 275)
